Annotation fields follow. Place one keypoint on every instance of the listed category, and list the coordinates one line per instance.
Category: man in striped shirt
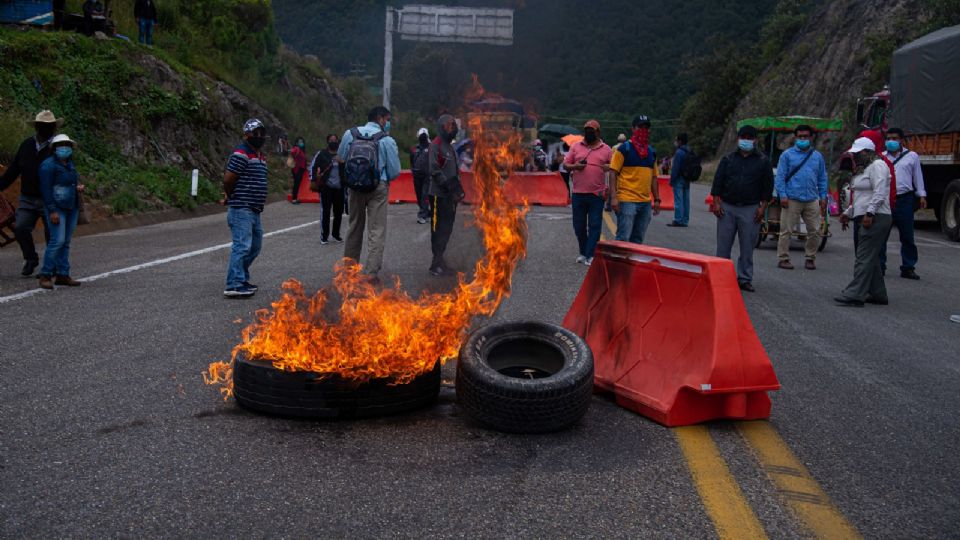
(245, 183)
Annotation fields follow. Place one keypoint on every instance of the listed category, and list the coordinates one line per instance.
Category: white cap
(61, 138)
(422, 131)
(863, 143)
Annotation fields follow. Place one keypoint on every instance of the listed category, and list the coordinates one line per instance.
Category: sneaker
(785, 264)
(46, 282)
(955, 318)
(337, 239)
(238, 292)
(436, 270)
(29, 267)
(66, 280)
(251, 286)
(588, 261)
(421, 220)
(323, 241)
(581, 259)
(909, 273)
(294, 201)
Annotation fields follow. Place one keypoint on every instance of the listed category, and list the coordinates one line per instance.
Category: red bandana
(641, 140)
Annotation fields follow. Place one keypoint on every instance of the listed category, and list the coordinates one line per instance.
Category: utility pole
(388, 57)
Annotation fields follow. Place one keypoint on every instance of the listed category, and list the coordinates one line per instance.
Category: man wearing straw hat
(26, 164)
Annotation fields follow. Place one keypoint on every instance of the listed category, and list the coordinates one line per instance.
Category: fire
(385, 333)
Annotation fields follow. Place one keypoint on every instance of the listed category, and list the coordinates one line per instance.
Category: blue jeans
(247, 238)
(903, 221)
(56, 258)
(146, 31)
(681, 202)
(632, 221)
(587, 221)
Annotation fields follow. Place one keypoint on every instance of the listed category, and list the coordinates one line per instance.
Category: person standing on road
(680, 185)
(326, 172)
(801, 185)
(245, 183)
(742, 186)
(445, 191)
(298, 157)
(634, 183)
(145, 12)
(419, 167)
(870, 211)
(30, 208)
(61, 190)
(368, 211)
(588, 162)
(910, 187)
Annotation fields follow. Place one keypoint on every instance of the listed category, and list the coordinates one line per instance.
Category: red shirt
(592, 178)
(299, 158)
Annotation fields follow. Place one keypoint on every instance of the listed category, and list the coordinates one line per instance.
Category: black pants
(58, 8)
(443, 212)
(331, 199)
(29, 210)
(420, 185)
(297, 177)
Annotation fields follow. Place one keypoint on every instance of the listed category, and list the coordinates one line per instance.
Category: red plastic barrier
(305, 195)
(666, 193)
(670, 335)
(543, 188)
(402, 190)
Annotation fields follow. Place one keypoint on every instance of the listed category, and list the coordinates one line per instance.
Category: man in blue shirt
(801, 185)
(680, 185)
(369, 210)
(245, 183)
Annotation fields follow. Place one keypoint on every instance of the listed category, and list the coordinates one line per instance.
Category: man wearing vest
(368, 211)
(909, 187)
(801, 185)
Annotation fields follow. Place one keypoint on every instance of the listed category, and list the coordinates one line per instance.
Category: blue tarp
(37, 12)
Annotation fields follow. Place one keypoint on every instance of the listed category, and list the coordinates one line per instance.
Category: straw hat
(47, 117)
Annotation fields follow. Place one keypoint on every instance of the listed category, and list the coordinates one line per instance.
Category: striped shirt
(251, 168)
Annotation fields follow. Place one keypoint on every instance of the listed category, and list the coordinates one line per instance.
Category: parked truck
(922, 99)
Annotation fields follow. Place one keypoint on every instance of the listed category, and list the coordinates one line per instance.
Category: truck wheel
(950, 211)
(260, 387)
(525, 377)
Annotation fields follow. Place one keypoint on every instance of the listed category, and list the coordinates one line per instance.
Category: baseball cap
(592, 124)
(747, 131)
(423, 131)
(863, 143)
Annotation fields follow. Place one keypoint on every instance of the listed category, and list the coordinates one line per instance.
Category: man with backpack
(419, 165)
(801, 185)
(684, 169)
(445, 191)
(371, 161)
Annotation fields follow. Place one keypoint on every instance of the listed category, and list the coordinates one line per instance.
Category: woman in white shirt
(870, 211)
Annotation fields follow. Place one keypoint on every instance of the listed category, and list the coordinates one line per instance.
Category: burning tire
(260, 387)
(525, 377)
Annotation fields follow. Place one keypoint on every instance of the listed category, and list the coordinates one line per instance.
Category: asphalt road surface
(106, 427)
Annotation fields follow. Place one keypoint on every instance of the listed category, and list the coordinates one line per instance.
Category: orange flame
(384, 333)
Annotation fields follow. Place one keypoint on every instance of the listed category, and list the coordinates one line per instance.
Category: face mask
(64, 152)
(745, 145)
(864, 158)
(386, 127)
(802, 144)
(892, 146)
(423, 139)
(256, 142)
(333, 145)
(302, 146)
(590, 136)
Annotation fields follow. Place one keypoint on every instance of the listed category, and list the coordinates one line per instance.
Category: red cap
(592, 124)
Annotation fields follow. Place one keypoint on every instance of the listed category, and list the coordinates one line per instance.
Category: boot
(46, 282)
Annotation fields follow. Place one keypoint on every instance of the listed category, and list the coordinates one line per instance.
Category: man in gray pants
(742, 187)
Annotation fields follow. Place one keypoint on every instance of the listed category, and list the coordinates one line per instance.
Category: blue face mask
(63, 152)
(802, 144)
(386, 127)
(892, 146)
(745, 144)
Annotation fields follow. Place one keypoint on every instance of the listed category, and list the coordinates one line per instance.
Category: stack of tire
(522, 377)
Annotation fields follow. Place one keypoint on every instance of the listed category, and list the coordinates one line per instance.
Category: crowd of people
(352, 174)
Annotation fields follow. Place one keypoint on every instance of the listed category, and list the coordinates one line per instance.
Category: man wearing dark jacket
(741, 189)
(419, 166)
(146, 14)
(445, 191)
(26, 165)
(328, 173)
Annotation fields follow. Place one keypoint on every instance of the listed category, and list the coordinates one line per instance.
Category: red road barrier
(670, 335)
(543, 188)
(401, 189)
(305, 195)
(666, 193)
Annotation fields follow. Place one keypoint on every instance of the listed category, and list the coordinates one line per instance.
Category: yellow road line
(801, 491)
(722, 498)
(610, 224)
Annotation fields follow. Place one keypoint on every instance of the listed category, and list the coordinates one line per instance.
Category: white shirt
(870, 191)
(909, 174)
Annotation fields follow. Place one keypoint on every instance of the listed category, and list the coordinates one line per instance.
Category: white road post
(194, 182)
(388, 57)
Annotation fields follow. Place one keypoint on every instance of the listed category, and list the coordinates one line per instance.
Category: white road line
(157, 262)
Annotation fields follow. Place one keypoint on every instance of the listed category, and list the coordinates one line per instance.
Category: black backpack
(691, 167)
(363, 161)
(421, 161)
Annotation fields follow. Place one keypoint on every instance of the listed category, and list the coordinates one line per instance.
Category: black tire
(260, 387)
(525, 377)
(950, 211)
